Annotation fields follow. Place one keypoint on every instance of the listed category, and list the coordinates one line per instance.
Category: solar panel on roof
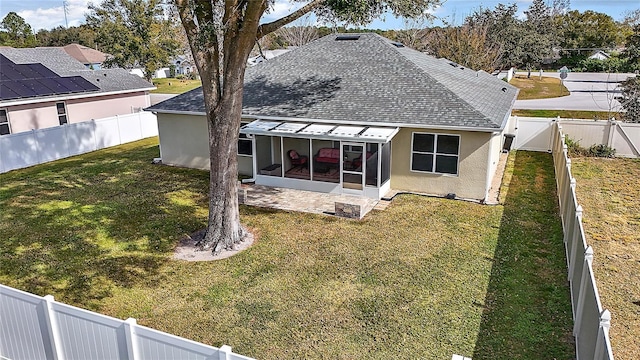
(42, 70)
(26, 72)
(6, 93)
(37, 86)
(20, 89)
(30, 80)
(55, 85)
(9, 72)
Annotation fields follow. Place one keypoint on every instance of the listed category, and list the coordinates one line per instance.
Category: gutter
(362, 123)
(36, 100)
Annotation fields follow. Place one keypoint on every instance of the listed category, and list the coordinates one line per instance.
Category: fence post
(224, 353)
(574, 242)
(603, 329)
(133, 351)
(612, 131)
(119, 131)
(588, 258)
(52, 327)
(36, 144)
(569, 200)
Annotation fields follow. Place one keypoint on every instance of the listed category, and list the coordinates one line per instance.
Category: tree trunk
(224, 229)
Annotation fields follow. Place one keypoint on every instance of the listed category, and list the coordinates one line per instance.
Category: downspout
(489, 177)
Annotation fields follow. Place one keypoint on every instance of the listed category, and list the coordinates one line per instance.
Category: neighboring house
(183, 65)
(158, 74)
(421, 124)
(89, 57)
(600, 55)
(45, 87)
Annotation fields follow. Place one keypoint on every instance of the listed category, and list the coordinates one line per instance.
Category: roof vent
(504, 89)
(453, 64)
(347, 37)
(397, 44)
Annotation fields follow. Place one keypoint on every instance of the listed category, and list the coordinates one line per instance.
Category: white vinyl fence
(536, 134)
(591, 321)
(34, 147)
(34, 327)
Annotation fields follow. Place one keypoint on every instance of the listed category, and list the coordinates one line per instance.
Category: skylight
(347, 37)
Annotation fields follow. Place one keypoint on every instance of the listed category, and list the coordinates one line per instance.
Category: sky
(47, 14)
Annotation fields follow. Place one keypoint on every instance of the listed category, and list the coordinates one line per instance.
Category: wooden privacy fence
(591, 321)
(35, 327)
(21, 150)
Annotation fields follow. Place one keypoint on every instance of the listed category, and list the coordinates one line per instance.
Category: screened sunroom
(331, 158)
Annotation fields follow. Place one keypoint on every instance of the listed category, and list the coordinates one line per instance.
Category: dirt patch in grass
(609, 192)
(536, 88)
(188, 251)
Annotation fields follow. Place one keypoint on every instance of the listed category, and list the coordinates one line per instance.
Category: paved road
(589, 91)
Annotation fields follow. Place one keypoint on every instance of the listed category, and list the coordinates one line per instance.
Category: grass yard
(174, 86)
(565, 114)
(609, 192)
(426, 278)
(535, 88)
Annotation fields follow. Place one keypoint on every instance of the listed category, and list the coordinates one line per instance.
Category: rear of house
(356, 114)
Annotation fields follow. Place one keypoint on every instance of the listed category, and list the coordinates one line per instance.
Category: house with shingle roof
(357, 114)
(89, 57)
(46, 87)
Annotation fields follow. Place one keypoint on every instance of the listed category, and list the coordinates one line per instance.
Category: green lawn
(536, 88)
(609, 192)
(425, 278)
(565, 114)
(174, 86)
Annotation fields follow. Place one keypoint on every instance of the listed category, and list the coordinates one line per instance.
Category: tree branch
(267, 28)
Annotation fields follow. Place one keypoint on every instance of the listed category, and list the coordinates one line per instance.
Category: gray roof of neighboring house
(58, 61)
(368, 80)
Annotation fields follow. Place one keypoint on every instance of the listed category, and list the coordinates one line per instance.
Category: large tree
(135, 32)
(221, 35)
(466, 45)
(15, 31)
(588, 30)
(630, 99)
(61, 36)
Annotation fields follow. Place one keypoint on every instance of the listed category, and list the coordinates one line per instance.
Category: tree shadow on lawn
(79, 227)
(527, 311)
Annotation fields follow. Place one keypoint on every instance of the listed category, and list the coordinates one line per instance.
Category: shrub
(601, 150)
(575, 150)
(573, 147)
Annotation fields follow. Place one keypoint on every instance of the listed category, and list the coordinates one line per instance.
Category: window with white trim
(62, 113)
(245, 144)
(435, 153)
(5, 128)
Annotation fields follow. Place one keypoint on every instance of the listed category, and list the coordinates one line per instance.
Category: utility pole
(66, 10)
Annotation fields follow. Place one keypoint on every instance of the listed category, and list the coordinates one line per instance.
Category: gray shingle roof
(58, 61)
(369, 80)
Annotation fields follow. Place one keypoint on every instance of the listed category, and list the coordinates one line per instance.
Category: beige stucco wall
(32, 117)
(43, 115)
(184, 142)
(472, 167)
(79, 110)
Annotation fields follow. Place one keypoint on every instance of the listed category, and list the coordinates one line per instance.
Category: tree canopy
(16, 32)
(135, 32)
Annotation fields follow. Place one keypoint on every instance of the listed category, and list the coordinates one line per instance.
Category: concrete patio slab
(300, 200)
